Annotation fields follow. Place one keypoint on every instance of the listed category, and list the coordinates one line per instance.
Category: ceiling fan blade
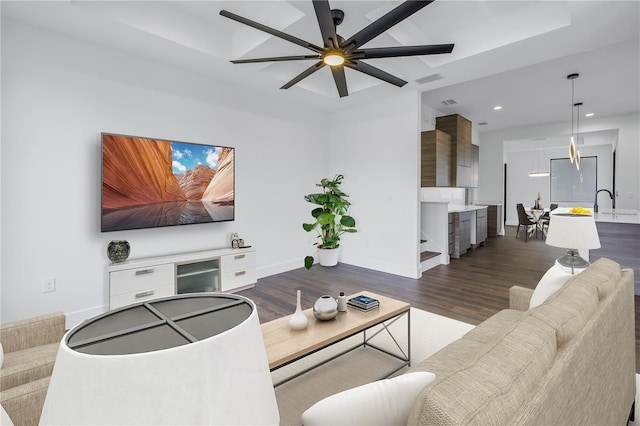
(325, 21)
(341, 80)
(271, 31)
(276, 59)
(304, 74)
(400, 13)
(392, 52)
(375, 72)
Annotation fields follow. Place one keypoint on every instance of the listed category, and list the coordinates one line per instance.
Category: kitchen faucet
(595, 203)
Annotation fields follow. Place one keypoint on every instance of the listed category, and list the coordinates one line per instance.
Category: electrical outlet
(234, 235)
(48, 285)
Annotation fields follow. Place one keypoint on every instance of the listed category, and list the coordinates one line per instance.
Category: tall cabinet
(435, 159)
(460, 130)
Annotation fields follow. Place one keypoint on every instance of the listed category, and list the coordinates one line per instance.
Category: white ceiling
(511, 53)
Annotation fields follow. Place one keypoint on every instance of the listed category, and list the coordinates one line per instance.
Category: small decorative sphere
(118, 251)
(325, 308)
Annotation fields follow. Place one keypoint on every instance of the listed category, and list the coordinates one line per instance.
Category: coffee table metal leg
(406, 356)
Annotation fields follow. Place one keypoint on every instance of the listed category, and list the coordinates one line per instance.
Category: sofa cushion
(490, 389)
(569, 309)
(24, 403)
(384, 402)
(495, 326)
(31, 332)
(20, 367)
(451, 358)
(604, 274)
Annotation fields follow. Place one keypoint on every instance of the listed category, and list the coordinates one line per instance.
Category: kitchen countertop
(630, 216)
(617, 216)
(457, 208)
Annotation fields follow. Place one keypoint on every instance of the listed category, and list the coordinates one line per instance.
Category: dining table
(537, 213)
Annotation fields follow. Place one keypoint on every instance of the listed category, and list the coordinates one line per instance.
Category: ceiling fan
(338, 52)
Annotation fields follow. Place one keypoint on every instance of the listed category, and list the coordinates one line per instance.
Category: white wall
(58, 94)
(627, 156)
(377, 148)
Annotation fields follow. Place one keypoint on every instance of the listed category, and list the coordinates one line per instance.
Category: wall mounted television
(148, 183)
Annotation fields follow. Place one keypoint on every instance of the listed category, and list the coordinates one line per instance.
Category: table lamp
(196, 359)
(573, 232)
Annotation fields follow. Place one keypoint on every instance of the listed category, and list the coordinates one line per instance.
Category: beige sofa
(568, 361)
(30, 347)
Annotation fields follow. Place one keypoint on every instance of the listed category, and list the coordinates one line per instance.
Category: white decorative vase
(328, 257)
(299, 320)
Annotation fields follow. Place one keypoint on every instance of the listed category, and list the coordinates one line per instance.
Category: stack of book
(363, 303)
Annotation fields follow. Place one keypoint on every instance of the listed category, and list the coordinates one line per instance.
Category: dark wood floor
(470, 289)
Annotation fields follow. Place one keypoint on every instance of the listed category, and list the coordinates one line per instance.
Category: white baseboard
(75, 318)
(279, 268)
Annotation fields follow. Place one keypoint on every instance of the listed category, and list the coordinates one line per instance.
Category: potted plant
(331, 220)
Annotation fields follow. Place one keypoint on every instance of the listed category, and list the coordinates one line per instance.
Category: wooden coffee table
(285, 346)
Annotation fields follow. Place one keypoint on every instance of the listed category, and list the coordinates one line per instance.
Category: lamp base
(573, 260)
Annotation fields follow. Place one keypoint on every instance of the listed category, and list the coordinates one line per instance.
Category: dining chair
(526, 220)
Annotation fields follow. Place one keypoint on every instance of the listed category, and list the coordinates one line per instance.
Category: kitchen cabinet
(435, 159)
(475, 166)
(494, 220)
(481, 227)
(461, 233)
(451, 234)
(460, 130)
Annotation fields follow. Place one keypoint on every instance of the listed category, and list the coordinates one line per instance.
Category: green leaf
(308, 226)
(348, 221)
(326, 218)
(308, 262)
(317, 212)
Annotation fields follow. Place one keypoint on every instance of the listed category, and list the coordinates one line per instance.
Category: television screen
(148, 183)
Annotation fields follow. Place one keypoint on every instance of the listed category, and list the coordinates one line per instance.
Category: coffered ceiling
(510, 53)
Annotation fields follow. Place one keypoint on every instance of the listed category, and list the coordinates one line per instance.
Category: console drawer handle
(145, 271)
(239, 256)
(145, 294)
(240, 273)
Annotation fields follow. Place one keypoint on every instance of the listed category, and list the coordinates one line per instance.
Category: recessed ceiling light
(590, 114)
(497, 107)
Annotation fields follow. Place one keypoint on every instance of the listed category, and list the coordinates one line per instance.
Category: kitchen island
(450, 229)
(619, 232)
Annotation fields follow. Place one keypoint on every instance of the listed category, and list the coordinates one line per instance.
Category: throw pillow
(385, 402)
(550, 282)
(5, 420)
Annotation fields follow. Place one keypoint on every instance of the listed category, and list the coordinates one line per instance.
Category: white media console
(224, 270)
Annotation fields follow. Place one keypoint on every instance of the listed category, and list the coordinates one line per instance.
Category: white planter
(328, 257)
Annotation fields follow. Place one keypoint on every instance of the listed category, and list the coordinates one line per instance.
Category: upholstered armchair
(29, 349)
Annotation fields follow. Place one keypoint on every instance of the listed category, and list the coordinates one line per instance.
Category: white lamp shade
(573, 232)
(220, 380)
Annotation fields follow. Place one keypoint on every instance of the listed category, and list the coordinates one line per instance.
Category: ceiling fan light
(333, 59)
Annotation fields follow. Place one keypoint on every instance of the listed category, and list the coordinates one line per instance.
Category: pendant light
(577, 157)
(574, 155)
(536, 170)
